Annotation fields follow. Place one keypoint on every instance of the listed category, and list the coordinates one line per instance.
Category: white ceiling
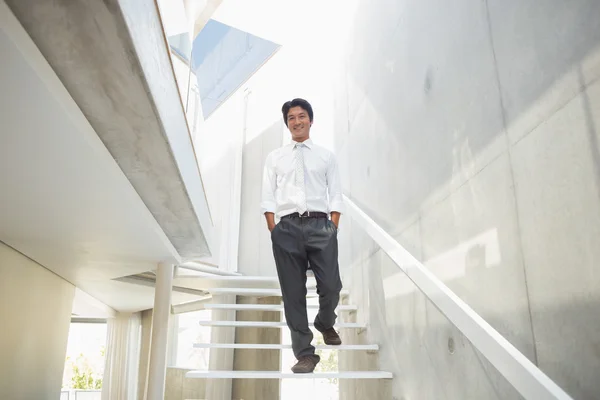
(133, 297)
(64, 202)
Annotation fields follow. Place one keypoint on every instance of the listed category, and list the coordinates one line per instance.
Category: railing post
(157, 370)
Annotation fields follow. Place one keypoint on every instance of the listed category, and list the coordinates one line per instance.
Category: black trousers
(296, 242)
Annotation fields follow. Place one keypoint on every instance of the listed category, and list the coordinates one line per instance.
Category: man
(301, 186)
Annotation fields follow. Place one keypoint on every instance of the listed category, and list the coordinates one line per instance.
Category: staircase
(520, 372)
(252, 288)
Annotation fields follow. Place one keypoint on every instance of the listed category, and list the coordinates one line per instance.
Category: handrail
(518, 370)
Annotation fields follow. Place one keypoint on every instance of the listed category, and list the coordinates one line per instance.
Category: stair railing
(518, 370)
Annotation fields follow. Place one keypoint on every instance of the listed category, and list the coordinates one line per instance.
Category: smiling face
(298, 123)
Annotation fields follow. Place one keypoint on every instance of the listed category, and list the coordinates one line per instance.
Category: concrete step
(268, 307)
(365, 347)
(289, 375)
(258, 291)
(203, 282)
(269, 324)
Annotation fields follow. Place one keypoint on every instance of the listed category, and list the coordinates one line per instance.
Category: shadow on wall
(255, 254)
(429, 357)
(439, 83)
(592, 131)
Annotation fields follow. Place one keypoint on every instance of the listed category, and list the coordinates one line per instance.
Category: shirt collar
(308, 143)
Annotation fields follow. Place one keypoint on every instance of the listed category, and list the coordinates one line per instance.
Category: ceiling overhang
(114, 61)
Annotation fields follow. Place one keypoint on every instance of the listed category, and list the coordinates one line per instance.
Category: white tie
(300, 178)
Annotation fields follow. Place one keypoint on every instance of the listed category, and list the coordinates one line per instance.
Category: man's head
(298, 117)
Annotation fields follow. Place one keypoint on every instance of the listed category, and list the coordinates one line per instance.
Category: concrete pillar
(160, 332)
(144, 355)
(257, 360)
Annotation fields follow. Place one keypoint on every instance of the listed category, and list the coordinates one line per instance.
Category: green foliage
(83, 376)
(329, 361)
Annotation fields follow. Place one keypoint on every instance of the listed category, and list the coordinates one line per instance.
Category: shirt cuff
(337, 206)
(266, 207)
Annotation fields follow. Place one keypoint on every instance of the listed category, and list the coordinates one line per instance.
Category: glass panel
(188, 333)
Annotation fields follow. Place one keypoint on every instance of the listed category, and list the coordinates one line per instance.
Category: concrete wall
(35, 310)
(132, 102)
(178, 387)
(469, 131)
(217, 151)
(256, 254)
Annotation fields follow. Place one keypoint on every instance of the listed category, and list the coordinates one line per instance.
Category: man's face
(298, 123)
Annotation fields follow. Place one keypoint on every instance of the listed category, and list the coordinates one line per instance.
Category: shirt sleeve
(334, 186)
(269, 185)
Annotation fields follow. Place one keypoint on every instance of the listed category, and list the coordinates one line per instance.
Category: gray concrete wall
(178, 387)
(255, 248)
(469, 131)
(35, 310)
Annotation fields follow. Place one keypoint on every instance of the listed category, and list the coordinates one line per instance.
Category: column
(160, 332)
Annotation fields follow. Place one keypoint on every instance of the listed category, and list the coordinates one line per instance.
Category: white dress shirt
(323, 189)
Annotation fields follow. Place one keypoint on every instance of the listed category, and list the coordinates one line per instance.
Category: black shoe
(331, 337)
(306, 364)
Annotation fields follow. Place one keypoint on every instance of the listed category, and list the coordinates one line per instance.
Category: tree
(83, 375)
(329, 361)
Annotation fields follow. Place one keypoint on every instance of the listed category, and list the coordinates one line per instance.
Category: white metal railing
(521, 373)
(80, 394)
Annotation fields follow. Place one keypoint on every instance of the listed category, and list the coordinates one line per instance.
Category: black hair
(303, 104)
